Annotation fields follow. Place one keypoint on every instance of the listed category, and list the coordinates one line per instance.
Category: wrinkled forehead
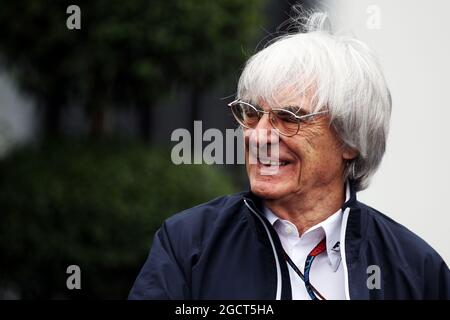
(288, 96)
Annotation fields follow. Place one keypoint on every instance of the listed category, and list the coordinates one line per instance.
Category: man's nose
(264, 132)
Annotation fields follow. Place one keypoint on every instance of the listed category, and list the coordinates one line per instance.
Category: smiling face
(313, 159)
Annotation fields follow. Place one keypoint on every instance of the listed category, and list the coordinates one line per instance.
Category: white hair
(339, 74)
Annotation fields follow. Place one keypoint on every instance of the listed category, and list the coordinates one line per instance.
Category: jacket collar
(352, 230)
(330, 228)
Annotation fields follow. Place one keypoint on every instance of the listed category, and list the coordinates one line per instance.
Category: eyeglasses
(284, 120)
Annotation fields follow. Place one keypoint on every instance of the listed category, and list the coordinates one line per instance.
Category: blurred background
(86, 118)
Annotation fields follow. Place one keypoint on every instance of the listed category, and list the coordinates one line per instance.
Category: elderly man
(320, 104)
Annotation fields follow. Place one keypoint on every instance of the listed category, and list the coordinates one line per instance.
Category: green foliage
(95, 205)
(127, 52)
(214, 38)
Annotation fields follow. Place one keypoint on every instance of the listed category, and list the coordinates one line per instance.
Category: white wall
(412, 185)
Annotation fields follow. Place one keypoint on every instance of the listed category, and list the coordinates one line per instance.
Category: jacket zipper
(277, 262)
(343, 255)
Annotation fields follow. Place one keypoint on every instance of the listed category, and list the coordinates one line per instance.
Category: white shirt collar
(330, 228)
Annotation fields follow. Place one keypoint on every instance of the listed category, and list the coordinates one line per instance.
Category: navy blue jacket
(226, 249)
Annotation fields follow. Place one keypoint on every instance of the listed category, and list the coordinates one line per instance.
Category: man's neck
(306, 209)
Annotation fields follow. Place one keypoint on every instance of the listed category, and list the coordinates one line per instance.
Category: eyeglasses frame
(260, 111)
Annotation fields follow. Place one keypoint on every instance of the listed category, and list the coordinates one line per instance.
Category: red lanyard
(318, 249)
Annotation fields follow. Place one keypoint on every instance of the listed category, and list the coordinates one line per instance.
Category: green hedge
(95, 205)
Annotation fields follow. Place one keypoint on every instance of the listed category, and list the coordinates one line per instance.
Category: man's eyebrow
(298, 110)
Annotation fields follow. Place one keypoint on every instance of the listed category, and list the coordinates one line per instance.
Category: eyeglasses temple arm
(310, 115)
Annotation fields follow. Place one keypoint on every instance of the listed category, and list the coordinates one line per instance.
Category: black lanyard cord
(312, 291)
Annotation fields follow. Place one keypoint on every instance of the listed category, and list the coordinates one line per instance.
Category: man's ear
(349, 153)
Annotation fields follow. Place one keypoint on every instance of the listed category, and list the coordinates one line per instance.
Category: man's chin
(267, 191)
